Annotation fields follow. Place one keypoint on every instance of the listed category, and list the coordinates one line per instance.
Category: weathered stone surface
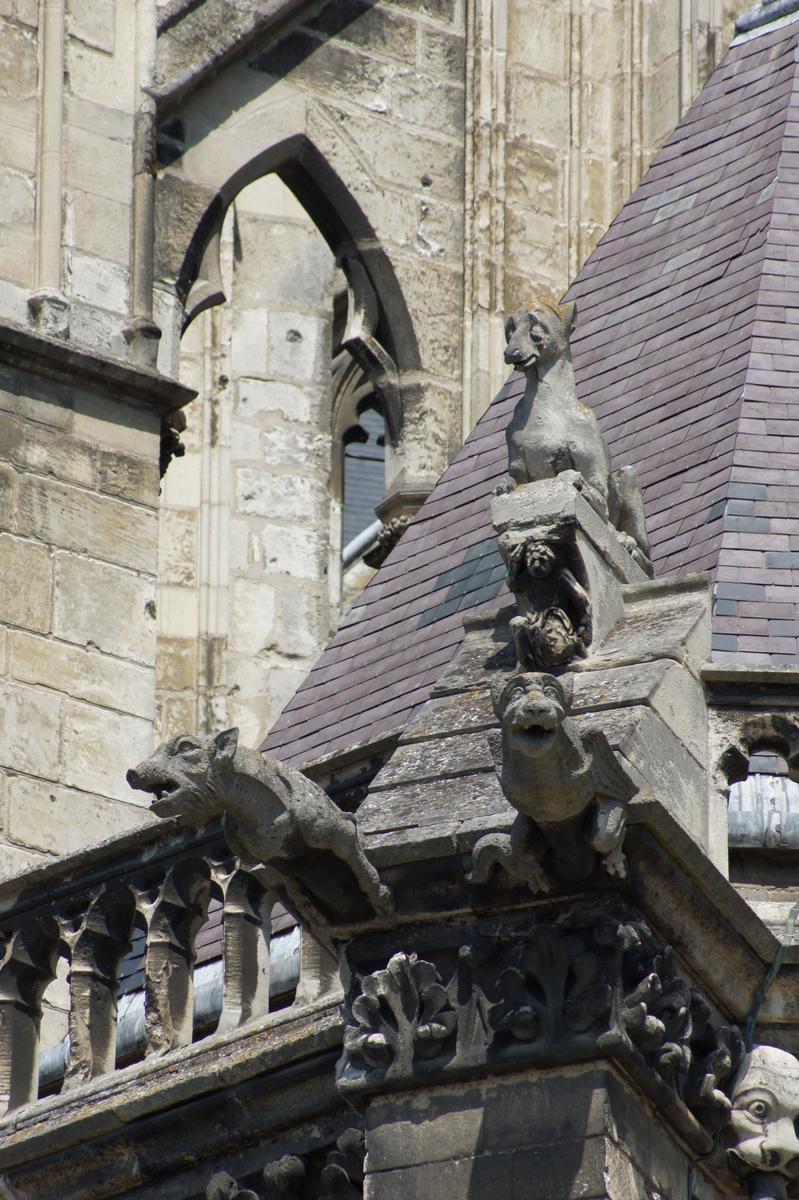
(28, 605)
(97, 745)
(83, 673)
(58, 820)
(442, 758)
(24, 710)
(84, 522)
(106, 606)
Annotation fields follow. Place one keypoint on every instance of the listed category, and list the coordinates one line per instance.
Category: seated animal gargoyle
(568, 789)
(273, 815)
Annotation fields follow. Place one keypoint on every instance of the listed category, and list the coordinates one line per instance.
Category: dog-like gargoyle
(273, 815)
(568, 789)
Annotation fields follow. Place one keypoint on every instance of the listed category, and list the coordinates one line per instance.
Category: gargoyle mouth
(164, 789)
(533, 737)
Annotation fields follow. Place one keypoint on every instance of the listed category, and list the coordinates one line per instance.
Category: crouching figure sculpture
(552, 433)
(568, 790)
(274, 815)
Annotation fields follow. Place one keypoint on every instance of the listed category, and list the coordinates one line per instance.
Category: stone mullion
(28, 964)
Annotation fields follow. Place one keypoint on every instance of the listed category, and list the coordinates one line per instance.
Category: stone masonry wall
(78, 526)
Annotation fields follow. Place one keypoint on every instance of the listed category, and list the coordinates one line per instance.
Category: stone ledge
(52, 358)
(112, 1103)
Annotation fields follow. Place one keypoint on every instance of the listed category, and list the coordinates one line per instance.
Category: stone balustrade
(137, 903)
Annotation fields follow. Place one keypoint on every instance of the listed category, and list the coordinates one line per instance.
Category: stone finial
(273, 815)
(765, 1107)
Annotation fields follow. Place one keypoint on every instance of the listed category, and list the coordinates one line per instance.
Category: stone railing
(125, 917)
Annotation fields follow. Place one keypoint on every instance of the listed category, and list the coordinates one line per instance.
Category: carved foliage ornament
(575, 988)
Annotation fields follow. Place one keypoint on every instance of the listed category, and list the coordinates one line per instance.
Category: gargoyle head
(537, 333)
(765, 1107)
(531, 708)
(187, 775)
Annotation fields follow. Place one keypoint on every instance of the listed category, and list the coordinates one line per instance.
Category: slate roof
(687, 349)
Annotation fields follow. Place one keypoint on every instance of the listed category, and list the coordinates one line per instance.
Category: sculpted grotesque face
(536, 334)
(531, 708)
(185, 775)
(765, 1107)
(540, 559)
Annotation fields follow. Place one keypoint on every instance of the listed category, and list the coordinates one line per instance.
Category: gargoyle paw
(615, 863)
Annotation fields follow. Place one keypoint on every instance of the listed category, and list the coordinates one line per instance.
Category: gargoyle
(568, 790)
(551, 433)
(762, 1137)
(272, 814)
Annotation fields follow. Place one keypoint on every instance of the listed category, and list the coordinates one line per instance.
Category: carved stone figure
(274, 815)
(554, 622)
(335, 1175)
(551, 433)
(567, 787)
(765, 1107)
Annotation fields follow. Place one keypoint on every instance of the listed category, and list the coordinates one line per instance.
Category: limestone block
(442, 53)
(292, 497)
(97, 281)
(248, 341)
(95, 76)
(17, 254)
(177, 545)
(87, 523)
(112, 425)
(85, 674)
(300, 264)
(3, 650)
(29, 729)
(288, 550)
(14, 860)
(433, 296)
(293, 403)
(104, 606)
(298, 346)
(99, 745)
(128, 477)
(539, 36)
(18, 61)
(25, 583)
(13, 303)
(403, 161)
(178, 714)
(93, 23)
(538, 182)
(301, 627)
(420, 100)
(439, 229)
(85, 150)
(96, 328)
(17, 197)
(667, 687)
(60, 820)
(177, 611)
(46, 451)
(252, 612)
(285, 447)
(528, 97)
(176, 664)
(365, 81)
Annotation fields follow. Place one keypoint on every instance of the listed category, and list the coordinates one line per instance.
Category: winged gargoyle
(568, 789)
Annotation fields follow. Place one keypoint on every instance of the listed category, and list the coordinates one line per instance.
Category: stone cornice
(68, 364)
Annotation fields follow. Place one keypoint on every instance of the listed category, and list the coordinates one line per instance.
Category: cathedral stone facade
(398, 758)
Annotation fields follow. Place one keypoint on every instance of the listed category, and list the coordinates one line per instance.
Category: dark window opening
(364, 473)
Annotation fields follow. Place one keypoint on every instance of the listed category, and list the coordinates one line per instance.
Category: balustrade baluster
(246, 940)
(96, 942)
(28, 957)
(174, 909)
